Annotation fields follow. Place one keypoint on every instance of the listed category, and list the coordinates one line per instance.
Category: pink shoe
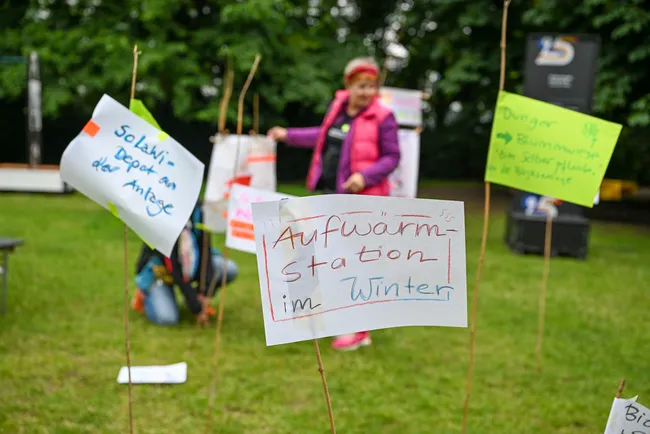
(352, 342)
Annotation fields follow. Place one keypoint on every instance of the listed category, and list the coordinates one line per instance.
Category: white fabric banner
(255, 167)
(241, 233)
(336, 264)
(404, 179)
(139, 173)
(406, 105)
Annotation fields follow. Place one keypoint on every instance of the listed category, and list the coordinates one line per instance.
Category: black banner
(561, 69)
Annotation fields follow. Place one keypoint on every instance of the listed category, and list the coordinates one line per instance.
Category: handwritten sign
(336, 264)
(255, 167)
(549, 150)
(406, 105)
(241, 232)
(628, 417)
(404, 179)
(139, 173)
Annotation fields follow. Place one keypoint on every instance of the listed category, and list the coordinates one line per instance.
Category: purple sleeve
(390, 153)
(303, 137)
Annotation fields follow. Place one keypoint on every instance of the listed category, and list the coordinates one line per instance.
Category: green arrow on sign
(505, 136)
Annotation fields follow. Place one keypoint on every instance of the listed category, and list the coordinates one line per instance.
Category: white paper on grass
(337, 264)
(151, 179)
(255, 167)
(241, 234)
(404, 179)
(406, 105)
(169, 374)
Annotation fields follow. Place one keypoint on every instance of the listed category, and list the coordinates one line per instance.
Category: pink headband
(367, 69)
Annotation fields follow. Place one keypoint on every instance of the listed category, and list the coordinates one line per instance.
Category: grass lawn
(62, 344)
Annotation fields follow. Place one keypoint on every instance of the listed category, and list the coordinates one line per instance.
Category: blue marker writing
(169, 184)
(104, 166)
(391, 292)
(158, 155)
(132, 163)
(155, 206)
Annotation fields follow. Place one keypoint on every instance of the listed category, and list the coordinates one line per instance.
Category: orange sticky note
(238, 224)
(91, 128)
(261, 158)
(243, 234)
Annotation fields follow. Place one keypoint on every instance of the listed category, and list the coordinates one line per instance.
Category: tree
(453, 45)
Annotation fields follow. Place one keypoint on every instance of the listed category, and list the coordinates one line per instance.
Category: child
(157, 275)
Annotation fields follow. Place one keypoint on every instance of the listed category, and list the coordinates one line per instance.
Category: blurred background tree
(452, 49)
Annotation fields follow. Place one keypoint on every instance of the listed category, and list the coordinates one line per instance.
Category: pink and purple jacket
(371, 146)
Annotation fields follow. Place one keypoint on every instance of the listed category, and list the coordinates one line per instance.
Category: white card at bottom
(170, 374)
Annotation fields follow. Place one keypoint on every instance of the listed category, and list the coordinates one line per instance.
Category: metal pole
(34, 112)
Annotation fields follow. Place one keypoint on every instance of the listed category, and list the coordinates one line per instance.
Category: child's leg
(143, 281)
(160, 304)
(231, 269)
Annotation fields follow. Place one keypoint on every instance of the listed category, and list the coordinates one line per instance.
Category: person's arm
(303, 137)
(390, 153)
(191, 295)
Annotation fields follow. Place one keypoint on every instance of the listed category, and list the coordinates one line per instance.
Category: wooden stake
(127, 338)
(548, 234)
(256, 113)
(621, 386)
(207, 236)
(486, 219)
(328, 400)
(226, 255)
(223, 110)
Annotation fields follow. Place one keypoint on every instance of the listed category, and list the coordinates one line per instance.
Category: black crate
(525, 234)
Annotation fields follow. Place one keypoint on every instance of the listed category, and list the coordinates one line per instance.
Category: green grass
(62, 344)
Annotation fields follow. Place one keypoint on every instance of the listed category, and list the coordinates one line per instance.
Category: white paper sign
(406, 105)
(404, 179)
(169, 374)
(628, 417)
(136, 171)
(255, 167)
(241, 232)
(336, 264)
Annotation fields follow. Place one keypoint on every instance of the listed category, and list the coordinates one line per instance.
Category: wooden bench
(7, 245)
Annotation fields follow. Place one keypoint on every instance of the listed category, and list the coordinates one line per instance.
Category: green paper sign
(549, 150)
(137, 107)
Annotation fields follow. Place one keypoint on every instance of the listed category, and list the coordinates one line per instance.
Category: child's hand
(202, 318)
(203, 299)
(278, 134)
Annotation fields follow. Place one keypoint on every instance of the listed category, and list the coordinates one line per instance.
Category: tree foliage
(86, 50)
